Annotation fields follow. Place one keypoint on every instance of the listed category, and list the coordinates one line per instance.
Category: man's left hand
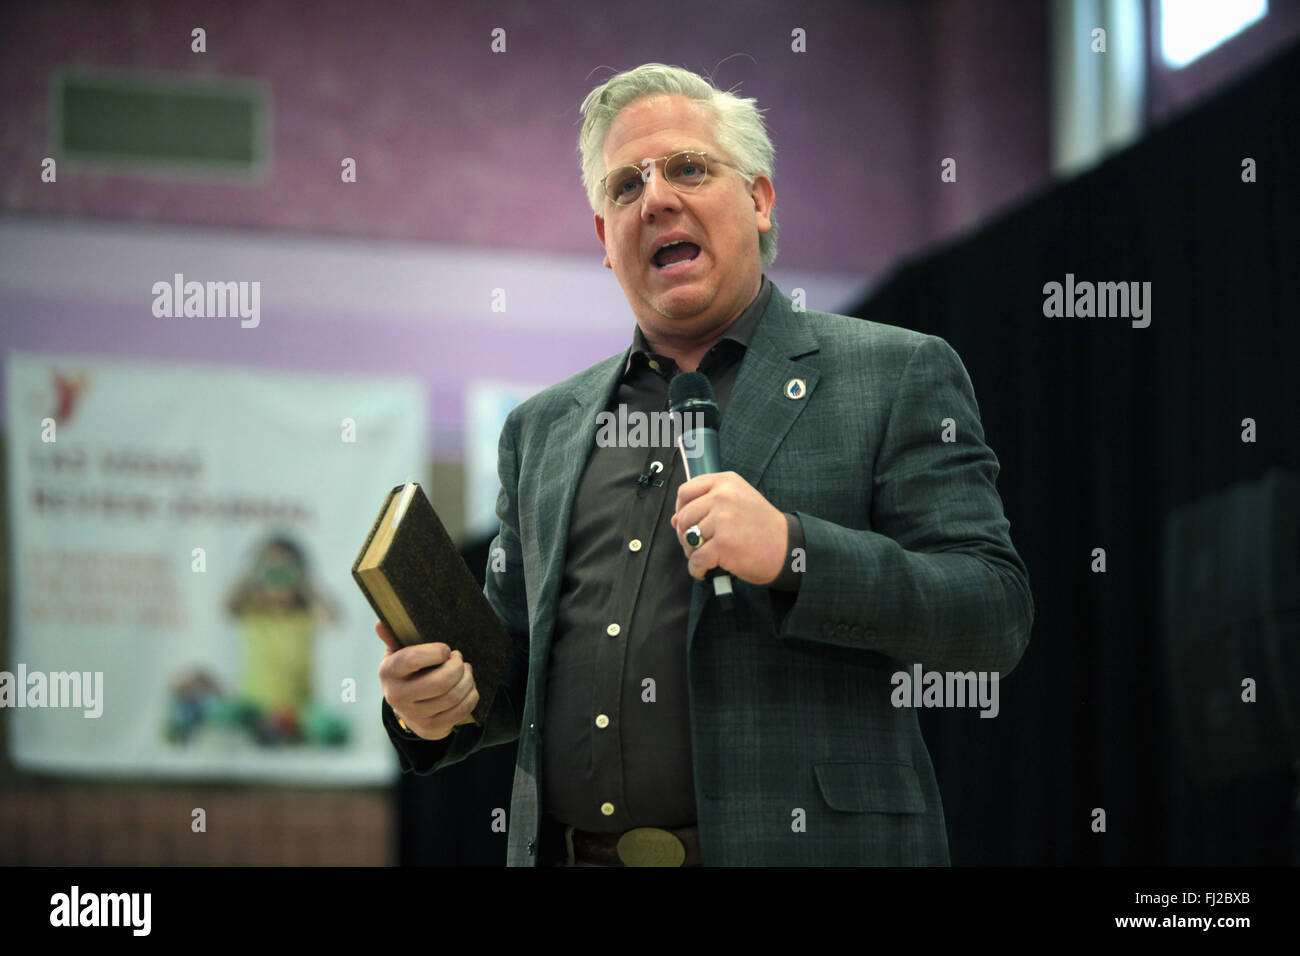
(743, 534)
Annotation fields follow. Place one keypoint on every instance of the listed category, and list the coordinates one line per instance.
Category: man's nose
(657, 196)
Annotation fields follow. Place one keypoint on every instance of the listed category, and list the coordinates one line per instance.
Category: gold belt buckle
(650, 846)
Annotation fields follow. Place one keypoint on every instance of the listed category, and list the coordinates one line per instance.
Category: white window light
(1191, 28)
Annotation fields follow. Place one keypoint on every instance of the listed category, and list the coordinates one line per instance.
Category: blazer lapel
(759, 414)
(568, 444)
(759, 411)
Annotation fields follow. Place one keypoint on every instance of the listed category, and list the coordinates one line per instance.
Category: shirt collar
(741, 331)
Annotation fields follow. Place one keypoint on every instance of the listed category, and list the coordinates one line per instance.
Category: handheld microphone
(690, 396)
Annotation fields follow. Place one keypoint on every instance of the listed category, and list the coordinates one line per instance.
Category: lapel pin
(795, 388)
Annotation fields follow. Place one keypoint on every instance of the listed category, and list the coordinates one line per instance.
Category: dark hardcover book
(420, 587)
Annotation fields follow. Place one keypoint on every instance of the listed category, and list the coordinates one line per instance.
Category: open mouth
(675, 254)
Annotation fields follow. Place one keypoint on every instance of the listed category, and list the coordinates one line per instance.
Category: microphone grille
(691, 393)
(686, 386)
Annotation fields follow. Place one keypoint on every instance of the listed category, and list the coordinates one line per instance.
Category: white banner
(486, 406)
(181, 546)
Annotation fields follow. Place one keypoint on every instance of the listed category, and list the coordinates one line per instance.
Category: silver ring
(693, 536)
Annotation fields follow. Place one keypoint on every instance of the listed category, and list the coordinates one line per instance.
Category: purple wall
(443, 129)
(460, 148)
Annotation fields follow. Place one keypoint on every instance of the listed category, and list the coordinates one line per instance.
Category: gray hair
(739, 131)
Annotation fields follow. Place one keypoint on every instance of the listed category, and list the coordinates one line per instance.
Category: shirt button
(607, 809)
(613, 630)
(634, 544)
(602, 721)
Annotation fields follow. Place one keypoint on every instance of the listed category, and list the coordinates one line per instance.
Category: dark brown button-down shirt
(616, 733)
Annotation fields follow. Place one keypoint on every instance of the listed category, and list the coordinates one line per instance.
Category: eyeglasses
(685, 172)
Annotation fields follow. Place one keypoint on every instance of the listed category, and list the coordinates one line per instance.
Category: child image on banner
(278, 609)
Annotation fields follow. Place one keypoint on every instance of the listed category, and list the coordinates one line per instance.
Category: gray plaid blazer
(800, 757)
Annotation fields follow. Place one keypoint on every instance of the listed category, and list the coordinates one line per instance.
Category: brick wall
(60, 824)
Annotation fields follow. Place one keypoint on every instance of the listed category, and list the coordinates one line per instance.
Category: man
(654, 724)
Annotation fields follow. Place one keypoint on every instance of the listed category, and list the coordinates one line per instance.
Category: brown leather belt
(644, 846)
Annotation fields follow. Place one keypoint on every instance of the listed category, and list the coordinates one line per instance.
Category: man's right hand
(429, 686)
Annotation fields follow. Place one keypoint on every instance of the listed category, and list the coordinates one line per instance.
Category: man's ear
(764, 196)
(600, 234)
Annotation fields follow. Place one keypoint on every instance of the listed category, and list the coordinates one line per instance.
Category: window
(1191, 28)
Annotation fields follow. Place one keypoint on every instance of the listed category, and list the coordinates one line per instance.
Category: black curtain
(447, 818)
(1103, 430)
